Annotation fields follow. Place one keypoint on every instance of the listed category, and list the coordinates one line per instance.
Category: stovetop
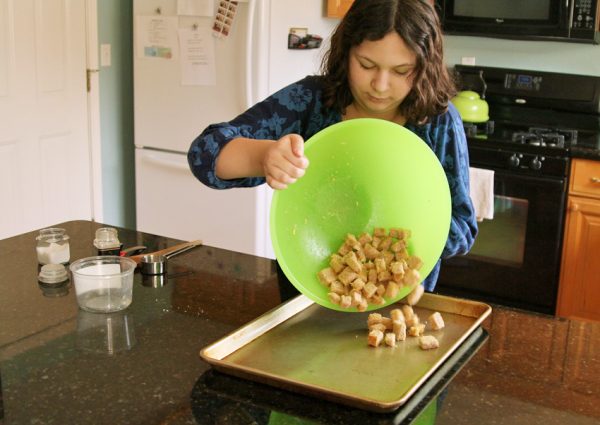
(532, 111)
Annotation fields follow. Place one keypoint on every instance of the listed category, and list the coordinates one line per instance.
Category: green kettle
(471, 107)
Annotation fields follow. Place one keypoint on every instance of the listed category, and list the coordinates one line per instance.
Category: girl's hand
(284, 161)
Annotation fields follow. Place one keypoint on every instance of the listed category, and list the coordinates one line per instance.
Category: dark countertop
(585, 152)
(55, 367)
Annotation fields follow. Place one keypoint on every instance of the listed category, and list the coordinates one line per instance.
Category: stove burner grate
(546, 137)
(476, 129)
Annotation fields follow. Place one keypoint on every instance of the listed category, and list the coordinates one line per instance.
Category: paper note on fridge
(197, 47)
(156, 37)
(196, 7)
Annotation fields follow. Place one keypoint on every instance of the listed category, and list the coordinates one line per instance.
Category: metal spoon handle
(182, 249)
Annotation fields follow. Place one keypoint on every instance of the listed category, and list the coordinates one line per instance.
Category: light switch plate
(105, 55)
(468, 60)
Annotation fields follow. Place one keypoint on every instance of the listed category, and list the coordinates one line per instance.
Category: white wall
(571, 58)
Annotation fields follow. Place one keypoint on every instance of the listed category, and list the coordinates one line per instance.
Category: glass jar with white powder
(53, 246)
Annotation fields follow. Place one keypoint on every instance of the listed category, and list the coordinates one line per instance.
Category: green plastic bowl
(363, 173)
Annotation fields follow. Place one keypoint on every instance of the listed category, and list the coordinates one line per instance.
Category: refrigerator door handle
(163, 162)
(249, 53)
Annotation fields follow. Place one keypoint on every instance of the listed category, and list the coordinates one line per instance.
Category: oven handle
(539, 179)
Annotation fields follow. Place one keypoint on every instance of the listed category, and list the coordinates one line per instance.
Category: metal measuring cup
(156, 263)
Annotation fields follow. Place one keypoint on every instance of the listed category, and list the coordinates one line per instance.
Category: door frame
(93, 106)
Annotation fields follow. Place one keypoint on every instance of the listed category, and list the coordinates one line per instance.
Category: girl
(385, 61)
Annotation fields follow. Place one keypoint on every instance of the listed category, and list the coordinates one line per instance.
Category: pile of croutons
(370, 268)
(402, 322)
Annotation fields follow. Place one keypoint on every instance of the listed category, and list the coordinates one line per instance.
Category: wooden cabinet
(579, 291)
(338, 8)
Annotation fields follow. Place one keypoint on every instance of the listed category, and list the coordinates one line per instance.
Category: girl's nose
(380, 82)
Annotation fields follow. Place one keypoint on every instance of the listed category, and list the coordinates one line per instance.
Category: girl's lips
(376, 99)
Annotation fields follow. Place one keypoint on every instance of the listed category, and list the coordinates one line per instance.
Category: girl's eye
(366, 66)
(403, 71)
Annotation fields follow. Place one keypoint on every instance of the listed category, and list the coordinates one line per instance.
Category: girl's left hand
(284, 161)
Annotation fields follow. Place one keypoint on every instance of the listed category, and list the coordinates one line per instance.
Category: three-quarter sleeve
(294, 109)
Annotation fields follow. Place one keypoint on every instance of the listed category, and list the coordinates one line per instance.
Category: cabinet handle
(595, 179)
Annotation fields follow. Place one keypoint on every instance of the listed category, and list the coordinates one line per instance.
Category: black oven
(567, 20)
(516, 257)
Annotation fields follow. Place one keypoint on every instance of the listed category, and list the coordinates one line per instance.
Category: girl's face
(380, 76)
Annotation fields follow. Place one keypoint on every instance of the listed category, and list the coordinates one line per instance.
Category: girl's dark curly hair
(417, 23)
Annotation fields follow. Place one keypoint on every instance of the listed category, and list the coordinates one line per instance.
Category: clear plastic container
(107, 241)
(53, 246)
(103, 284)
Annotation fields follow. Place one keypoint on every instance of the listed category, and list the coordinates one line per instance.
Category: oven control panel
(523, 162)
(520, 160)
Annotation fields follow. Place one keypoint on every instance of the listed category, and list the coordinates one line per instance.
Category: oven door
(516, 256)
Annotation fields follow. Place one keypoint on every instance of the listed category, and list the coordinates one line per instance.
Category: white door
(44, 148)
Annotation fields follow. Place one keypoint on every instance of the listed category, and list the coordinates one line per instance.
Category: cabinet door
(579, 293)
(338, 8)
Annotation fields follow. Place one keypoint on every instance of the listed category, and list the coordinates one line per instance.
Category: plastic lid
(53, 273)
(53, 234)
(107, 238)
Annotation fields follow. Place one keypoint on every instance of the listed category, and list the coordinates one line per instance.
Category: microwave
(553, 20)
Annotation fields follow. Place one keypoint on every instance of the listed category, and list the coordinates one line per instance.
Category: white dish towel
(482, 192)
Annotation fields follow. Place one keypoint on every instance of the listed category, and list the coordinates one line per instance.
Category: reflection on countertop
(534, 369)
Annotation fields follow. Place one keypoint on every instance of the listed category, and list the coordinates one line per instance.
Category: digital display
(523, 82)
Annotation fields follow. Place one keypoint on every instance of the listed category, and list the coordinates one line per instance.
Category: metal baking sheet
(303, 347)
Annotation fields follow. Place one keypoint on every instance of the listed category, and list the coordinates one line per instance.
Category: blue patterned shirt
(298, 109)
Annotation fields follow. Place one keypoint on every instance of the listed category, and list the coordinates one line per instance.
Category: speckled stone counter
(586, 151)
(61, 365)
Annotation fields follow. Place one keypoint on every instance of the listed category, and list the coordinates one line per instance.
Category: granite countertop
(58, 367)
(586, 151)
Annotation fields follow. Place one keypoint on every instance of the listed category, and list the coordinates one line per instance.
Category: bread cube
(347, 276)
(392, 290)
(414, 262)
(408, 311)
(397, 315)
(334, 298)
(435, 321)
(416, 330)
(369, 290)
(371, 252)
(413, 320)
(375, 338)
(428, 342)
(337, 287)
(352, 261)
(379, 231)
(399, 329)
(336, 262)
(326, 276)
(374, 318)
(390, 339)
(378, 326)
(411, 277)
(358, 284)
(415, 295)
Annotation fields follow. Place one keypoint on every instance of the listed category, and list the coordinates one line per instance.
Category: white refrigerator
(251, 62)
